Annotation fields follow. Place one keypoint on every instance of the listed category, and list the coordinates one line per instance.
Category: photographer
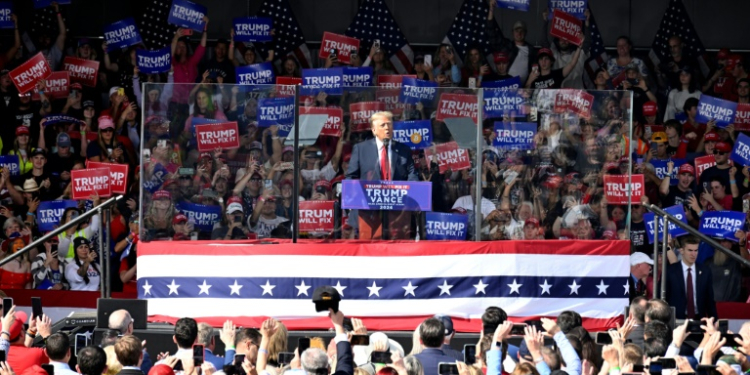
(233, 225)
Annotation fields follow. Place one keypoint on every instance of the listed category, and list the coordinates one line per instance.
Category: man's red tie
(385, 170)
(690, 303)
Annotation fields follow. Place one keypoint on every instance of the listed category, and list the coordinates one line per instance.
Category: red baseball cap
(650, 109)
(500, 57)
(22, 130)
(532, 221)
(17, 326)
(546, 51)
(162, 194)
(76, 86)
(324, 184)
(711, 137)
(179, 218)
(459, 210)
(723, 147)
(234, 199)
(686, 168)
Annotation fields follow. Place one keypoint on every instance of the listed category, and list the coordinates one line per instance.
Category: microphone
(386, 142)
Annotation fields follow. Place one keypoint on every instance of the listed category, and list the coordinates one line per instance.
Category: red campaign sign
(617, 80)
(392, 81)
(82, 71)
(332, 127)
(285, 85)
(742, 117)
(576, 101)
(457, 105)
(702, 163)
(359, 114)
(224, 135)
(316, 216)
(566, 26)
(58, 86)
(341, 43)
(118, 174)
(87, 181)
(616, 189)
(390, 98)
(449, 156)
(29, 73)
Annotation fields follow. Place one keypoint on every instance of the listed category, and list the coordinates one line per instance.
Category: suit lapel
(698, 289)
(683, 291)
(393, 156)
(374, 147)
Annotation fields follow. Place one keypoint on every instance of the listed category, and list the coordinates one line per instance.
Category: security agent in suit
(432, 335)
(696, 299)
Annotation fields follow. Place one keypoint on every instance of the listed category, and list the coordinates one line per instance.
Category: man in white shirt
(58, 351)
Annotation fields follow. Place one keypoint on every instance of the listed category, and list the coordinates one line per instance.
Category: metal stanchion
(656, 251)
(101, 258)
(665, 230)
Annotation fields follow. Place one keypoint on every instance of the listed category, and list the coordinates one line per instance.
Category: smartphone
(2, 356)
(518, 330)
(7, 304)
(729, 337)
(49, 369)
(694, 326)
(285, 358)
(376, 44)
(638, 368)
(448, 50)
(178, 366)
(353, 52)
(380, 357)
(360, 340)
(36, 302)
(668, 363)
(470, 354)
(198, 355)
(338, 189)
(188, 32)
(723, 326)
(287, 165)
(446, 368)
(82, 341)
(303, 344)
(655, 367)
(238, 359)
(146, 154)
(537, 324)
(472, 83)
(603, 338)
(332, 52)
(535, 68)
(238, 219)
(707, 368)
(428, 60)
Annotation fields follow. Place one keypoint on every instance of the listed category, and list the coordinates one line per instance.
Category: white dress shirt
(695, 277)
(380, 145)
(62, 368)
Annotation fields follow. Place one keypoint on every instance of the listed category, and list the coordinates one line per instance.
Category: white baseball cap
(638, 258)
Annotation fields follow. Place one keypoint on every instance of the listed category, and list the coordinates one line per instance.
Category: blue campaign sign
(202, 215)
(503, 102)
(152, 62)
(253, 29)
(415, 134)
(508, 84)
(57, 118)
(722, 224)
(414, 91)
(11, 163)
(441, 226)
(153, 183)
(357, 76)
(710, 108)
(514, 135)
(50, 212)
(38, 4)
(256, 74)
(122, 34)
(276, 111)
(187, 14)
(328, 80)
(522, 5)
(660, 167)
(741, 150)
(677, 211)
(6, 9)
(386, 195)
(576, 8)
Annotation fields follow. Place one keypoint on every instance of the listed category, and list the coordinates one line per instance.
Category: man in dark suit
(640, 267)
(689, 287)
(431, 336)
(638, 314)
(315, 361)
(381, 158)
(130, 354)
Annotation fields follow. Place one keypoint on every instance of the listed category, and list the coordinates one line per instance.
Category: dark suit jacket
(633, 291)
(450, 352)
(130, 372)
(344, 359)
(636, 335)
(365, 164)
(430, 357)
(704, 291)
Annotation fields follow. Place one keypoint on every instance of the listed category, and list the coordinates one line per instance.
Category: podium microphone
(386, 142)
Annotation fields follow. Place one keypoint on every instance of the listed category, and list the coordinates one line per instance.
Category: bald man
(120, 320)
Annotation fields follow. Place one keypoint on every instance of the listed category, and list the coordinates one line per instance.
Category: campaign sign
(187, 14)
(358, 76)
(157, 178)
(6, 9)
(49, 213)
(203, 216)
(152, 62)
(741, 151)
(392, 81)
(253, 29)
(328, 80)
(576, 101)
(449, 156)
(57, 119)
(82, 71)
(521, 5)
(457, 105)
(702, 163)
(87, 181)
(316, 216)
(508, 84)
(514, 135)
(255, 74)
(567, 27)
(359, 114)
(58, 86)
(335, 118)
(341, 45)
(118, 174)
(11, 163)
(275, 111)
(742, 117)
(442, 226)
(710, 108)
(673, 230)
(415, 134)
(122, 34)
(391, 99)
(660, 168)
(503, 102)
(722, 224)
(212, 136)
(414, 91)
(26, 75)
(386, 195)
(617, 190)
(576, 8)
(285, 85)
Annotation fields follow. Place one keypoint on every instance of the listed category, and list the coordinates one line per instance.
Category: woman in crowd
(160, 214)
(83, 271)
(17, 273)
(47, 269)
(23, 148)
(678, 96)
(85, 229)
(107, 148)
(624, 59)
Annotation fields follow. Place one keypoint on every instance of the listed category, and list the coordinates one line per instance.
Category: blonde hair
(416, 345)
(317, 342)
(525, 368)
(278, 343)
(113, 365)
(385, 114)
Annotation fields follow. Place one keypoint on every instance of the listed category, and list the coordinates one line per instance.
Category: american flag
(375, 21)
(155, 30)
(677, 22)
(598, 54)
(390, 288)
(288, 38)
(468, 28)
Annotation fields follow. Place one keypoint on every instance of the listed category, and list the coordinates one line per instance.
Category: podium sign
(386, 195)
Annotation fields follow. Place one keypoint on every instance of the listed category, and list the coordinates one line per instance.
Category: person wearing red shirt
(676, 145)
(21, 357)
(717, 199)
